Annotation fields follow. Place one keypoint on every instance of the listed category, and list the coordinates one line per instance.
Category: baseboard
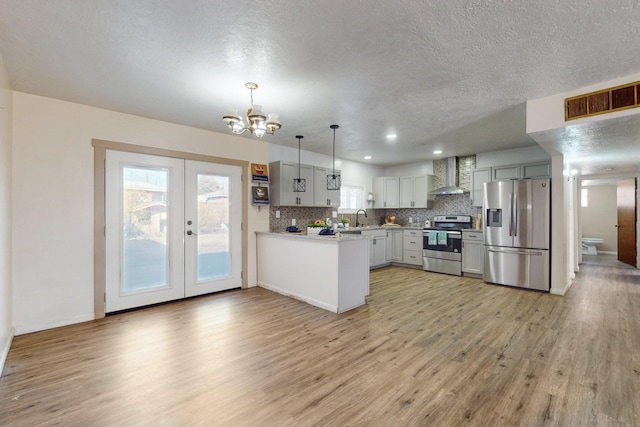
(5, 350)
(294, 295)
(27, 329)
(608, 252)
(562, 292)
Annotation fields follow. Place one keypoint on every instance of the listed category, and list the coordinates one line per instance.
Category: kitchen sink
(350, 231)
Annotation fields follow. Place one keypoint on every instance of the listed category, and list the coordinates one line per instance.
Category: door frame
(100, 148)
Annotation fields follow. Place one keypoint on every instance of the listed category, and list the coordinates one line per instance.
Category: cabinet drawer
(412, 257)
(412, 243)
(472, 235)
(412, 233)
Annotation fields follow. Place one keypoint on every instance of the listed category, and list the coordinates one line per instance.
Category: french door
(172, 229)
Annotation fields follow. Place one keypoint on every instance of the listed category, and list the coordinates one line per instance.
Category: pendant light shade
(299, 184)
(334, 180)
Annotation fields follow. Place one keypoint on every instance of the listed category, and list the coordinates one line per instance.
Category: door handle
(191, 233)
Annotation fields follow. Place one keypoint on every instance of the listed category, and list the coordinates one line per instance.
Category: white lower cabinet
(377, 247)
(394, 245)
(472, 253)
(412, 247)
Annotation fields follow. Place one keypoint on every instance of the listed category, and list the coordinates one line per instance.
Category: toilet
(589, 245)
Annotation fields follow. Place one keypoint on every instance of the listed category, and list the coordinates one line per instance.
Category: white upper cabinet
(281, 178)
(535, 170)
(478, 178)
(386, 192)
(505, 173)
(406, 191)
(322, 196)
(414, 191)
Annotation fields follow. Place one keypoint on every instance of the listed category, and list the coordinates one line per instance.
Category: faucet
(357, 213)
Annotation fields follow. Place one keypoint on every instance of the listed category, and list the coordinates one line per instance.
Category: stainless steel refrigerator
(517, 233)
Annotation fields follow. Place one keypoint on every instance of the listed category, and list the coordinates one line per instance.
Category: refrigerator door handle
(515, 252)
(514, 210)
(511, 214)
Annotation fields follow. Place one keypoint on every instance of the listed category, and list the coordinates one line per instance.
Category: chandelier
(257, 122)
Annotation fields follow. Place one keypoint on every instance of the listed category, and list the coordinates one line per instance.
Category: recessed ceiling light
(392, 136)
(608, 169)
(437, 152)
(367, 157)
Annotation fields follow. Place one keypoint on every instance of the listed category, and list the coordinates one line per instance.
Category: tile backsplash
(456, 204)
(304, 216)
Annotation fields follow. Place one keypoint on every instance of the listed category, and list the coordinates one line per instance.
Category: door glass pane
(145, 249)
(213, 226)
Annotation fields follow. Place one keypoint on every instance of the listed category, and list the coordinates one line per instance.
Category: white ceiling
(453, 75)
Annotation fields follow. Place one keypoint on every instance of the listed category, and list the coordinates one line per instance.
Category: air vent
(603, 101)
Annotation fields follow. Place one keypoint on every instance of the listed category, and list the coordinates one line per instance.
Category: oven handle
(454, 233)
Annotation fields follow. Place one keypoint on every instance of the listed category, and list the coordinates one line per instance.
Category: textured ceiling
(453, 75)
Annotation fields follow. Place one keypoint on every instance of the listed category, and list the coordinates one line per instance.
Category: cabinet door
(472, 256)
(379, 250)
(305, 198)
(284, 184)
(478, 178)
(536, 170)
(392, 192)
(288, 171)
(322, 196)
(505, 173)
(394, 245)
(422, 184)
(406, 192)
(378, 192)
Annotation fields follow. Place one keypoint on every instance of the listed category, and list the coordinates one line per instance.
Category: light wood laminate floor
(427, 350)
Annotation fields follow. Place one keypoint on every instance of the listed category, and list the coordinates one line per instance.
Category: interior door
(213, 241)
(144, 230)
(627, 221)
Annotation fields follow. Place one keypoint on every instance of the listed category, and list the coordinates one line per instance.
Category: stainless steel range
(442, 244)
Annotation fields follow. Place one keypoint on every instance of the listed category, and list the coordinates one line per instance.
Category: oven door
(453, 245)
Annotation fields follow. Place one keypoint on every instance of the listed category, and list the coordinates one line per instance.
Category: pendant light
(333, 179)
(299, 184)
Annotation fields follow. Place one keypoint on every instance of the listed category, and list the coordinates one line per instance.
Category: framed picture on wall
(260, 195)
(259, 173)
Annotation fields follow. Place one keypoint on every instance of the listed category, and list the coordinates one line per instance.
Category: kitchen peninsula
(330, 272)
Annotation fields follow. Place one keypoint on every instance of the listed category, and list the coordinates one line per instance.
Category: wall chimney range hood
(451, 186)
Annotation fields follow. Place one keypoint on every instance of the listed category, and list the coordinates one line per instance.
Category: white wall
(512, 157)
(599, 219)
(353, 173)
(6, 331)
(53, 199)
(562, 268)
(418, 168)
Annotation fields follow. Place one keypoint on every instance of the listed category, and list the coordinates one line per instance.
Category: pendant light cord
(299, 138)
(334, 127)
